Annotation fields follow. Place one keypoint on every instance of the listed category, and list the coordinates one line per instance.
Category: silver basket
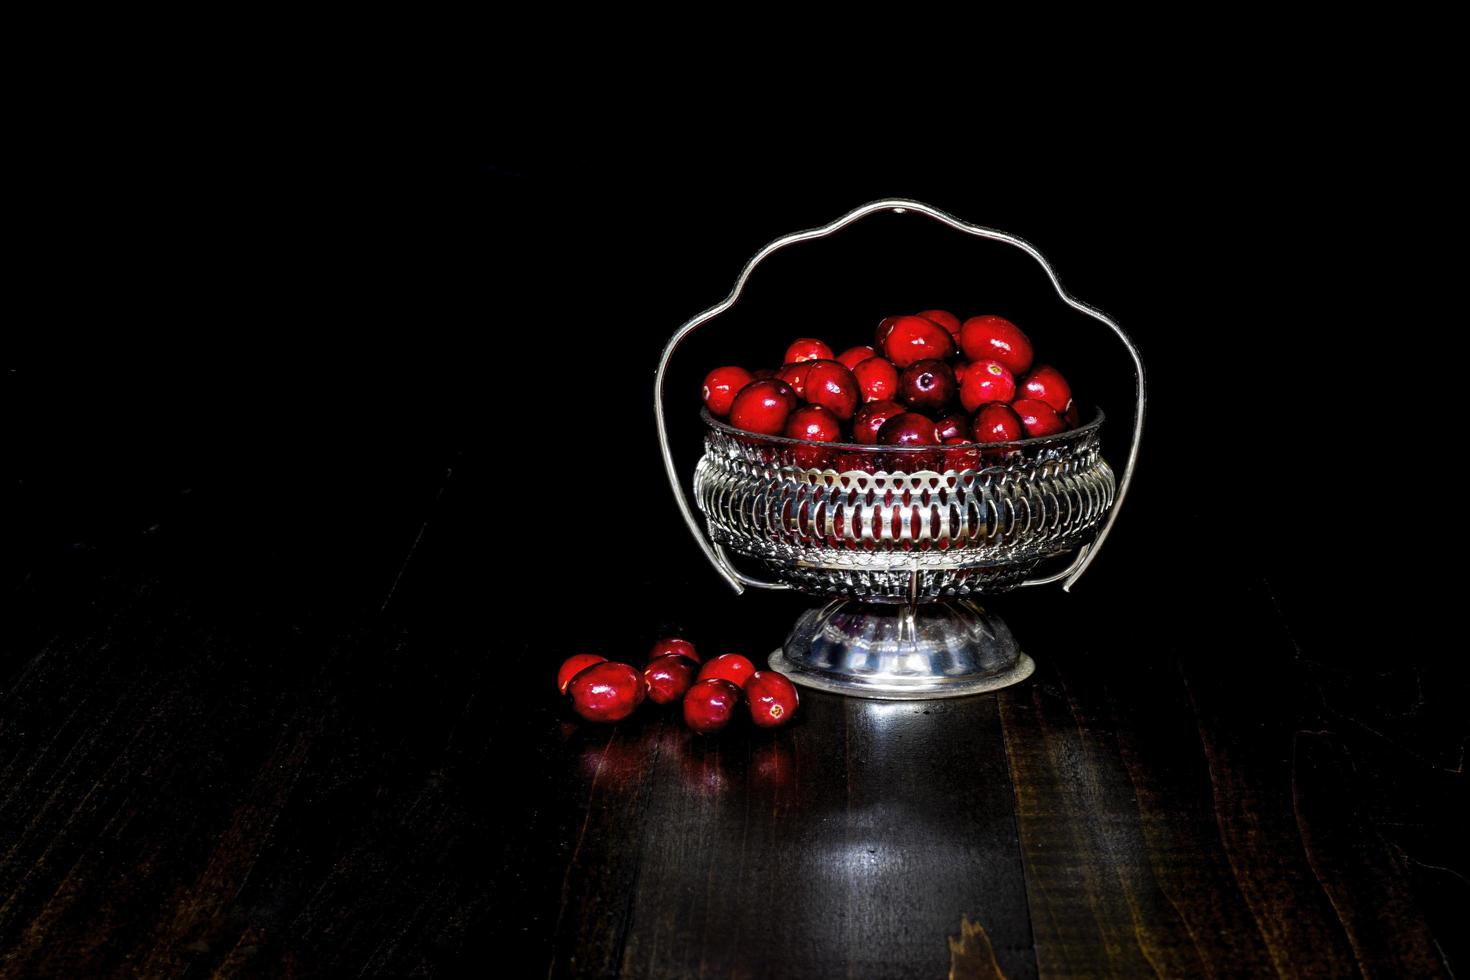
(901, 540)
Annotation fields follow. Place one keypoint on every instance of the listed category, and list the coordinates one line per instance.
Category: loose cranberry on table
(772, 698)
(721, 386)
(833, 386)
(954, 426)
(1038, 418)
(763, 407)
(574, 665)
(854, 356)
(795, 376)
(668, 678)
(607, 692)
(730, 667)
(673, 645)
(987, 381)
(913, 338)
(1046, 384)
(994, 338)
(928, 385)
(807, 349)
(997, 423)
(878, 379)
(868, 421)
(710, 704)
(908, 429)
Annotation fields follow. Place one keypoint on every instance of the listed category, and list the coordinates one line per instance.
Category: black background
(300, 332)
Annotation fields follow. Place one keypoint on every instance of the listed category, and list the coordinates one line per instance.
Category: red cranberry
(854, 356)
(954, 426)
(928, 385)
(795, 376)
(721, 386)
(868, 420)
(607, 692)
(1046, 384)
(885, 327)
(772, 698)
(960, 368)
(1038, 418)
(763, 406)
(996, 423)
(986, 381)
(668, 678)
(674, 646)
(814, 424)
(965, 455)
(945, 319)
(730, 667)
(1072, 416)
(710, 704)
(807, 349)
(878, 379)
(574, 665)
(908, 429)
(913, 338)
(832, 386)
(998, 339)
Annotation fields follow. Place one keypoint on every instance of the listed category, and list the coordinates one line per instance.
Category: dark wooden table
(263, 727)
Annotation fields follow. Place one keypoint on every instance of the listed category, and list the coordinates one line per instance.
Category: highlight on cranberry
(927, 379)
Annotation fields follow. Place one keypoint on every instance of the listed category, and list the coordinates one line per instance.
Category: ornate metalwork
(895, 524)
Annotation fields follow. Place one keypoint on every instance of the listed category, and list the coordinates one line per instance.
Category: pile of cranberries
(927, 380)
(604, 691)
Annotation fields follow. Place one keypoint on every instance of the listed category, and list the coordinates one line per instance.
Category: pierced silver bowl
(901, 541)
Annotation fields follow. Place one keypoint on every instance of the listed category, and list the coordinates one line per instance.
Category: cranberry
(795, 376)
(854, 356)
(885, 327)
(954, 426)
(996, 338)
(945, 319)
(607, 692)
(878, 379)
(730, 667)
(928, 385)
(1046, 384)
(960, 368)
(763, 406)
(710, 704)
(986, 381)
(668, 678)
(721, 386)
(908, 429)
(675, 646)
(807, 349)
(996, 423)
(832, 386)
(965, 455)
(1038, 418)
(913, 338)
(1073, 417)
(869, 419)
(814, 424)
(772, 698)
(574, 665)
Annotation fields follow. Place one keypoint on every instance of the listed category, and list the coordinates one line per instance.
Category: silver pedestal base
(899, 652)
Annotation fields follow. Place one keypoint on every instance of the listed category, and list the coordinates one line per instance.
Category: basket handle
(716, 554)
